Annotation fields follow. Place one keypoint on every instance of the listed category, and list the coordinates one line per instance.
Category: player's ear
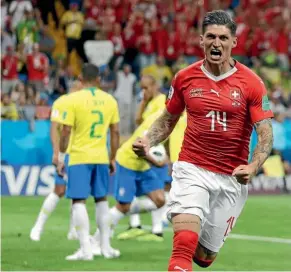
(201, 41)
(234, 42)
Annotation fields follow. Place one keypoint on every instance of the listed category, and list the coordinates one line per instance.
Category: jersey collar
(218, 78)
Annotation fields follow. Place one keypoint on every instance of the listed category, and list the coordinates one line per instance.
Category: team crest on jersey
(171, 92)
(235, 95)
(196, 93)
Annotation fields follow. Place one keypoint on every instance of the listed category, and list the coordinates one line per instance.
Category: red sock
(184, 247)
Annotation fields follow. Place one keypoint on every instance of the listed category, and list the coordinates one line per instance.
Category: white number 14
(215, 115)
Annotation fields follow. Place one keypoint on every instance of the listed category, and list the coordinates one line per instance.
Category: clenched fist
(141, 147)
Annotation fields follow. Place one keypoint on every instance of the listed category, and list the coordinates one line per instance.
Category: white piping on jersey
(218, 78)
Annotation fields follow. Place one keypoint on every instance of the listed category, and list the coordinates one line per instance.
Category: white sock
(103, 222)
(134, 220)
(47, 208)
(157, 220)
(81, 222)
(115, 216)
(72, 226)
(142, 205)
(165, 207)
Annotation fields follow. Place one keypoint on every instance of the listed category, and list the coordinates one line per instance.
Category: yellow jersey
(74, 24)
(125, 155)
(156, 104)
(57, 113)
(90, 112)
(176, 138)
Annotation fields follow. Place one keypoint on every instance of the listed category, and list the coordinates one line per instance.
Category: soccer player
(90, 113)
(51, 201)
(135, 177)
(152, 102)
(223, 100)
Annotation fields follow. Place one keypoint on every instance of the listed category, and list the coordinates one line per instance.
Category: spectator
(37, 67)
(46, 43)
(172, 46)
(124, 95)
(118, 47)
(9, 70)
(108, 80)
(146, 46)
(160, 71)
(6, 40)
(192, 50)
(73, 21)
(8, 108)
(16, 93)
(27, 30)
(17, 9)
(179, 64)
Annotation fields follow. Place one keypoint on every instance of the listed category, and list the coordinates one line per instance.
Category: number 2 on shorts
(93, 132)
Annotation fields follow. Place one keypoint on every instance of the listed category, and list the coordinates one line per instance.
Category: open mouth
(215, 53)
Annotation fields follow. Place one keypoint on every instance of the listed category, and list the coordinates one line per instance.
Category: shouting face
(217, 42)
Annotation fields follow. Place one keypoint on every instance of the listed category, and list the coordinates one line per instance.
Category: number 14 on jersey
(216, 118)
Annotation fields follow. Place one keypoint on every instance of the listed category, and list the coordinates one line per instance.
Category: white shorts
(217, 199)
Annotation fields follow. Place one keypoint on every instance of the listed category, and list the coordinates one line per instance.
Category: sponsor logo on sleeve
(265, 103)
(171, 92)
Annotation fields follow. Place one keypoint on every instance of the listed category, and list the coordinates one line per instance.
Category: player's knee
(159, 199)
(60, 190)
(204, 257)
(123, 207)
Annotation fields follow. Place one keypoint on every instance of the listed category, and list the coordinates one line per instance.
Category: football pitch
(248, 249)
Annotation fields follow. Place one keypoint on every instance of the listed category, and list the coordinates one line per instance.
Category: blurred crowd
(156, 37)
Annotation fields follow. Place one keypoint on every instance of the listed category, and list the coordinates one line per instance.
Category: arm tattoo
(162, 128)
(265, 142)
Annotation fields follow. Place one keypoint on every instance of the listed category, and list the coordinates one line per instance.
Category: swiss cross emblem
(235, 94)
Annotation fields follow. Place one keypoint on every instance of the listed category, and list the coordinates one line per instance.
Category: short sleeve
(68, 115)
(115, 117)
(175, 103)
(55, 113)
(259, 105)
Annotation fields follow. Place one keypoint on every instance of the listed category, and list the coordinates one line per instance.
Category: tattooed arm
(159, 131)
(244, 173)
(162, 128)
(265, 143)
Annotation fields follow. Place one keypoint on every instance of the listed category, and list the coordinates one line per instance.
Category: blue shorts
(61, 180)
(163, 173)
(129, 183)
(87, 179)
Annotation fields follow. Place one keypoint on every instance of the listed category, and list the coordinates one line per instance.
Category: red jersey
(221, 111)
(9, 67)
(37, 66)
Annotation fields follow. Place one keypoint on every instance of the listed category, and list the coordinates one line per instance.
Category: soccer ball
(158, 152)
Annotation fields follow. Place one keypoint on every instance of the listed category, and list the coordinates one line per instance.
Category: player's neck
(219, 69)
(89, 85)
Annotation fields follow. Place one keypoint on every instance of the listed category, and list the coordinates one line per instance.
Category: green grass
(262, 216)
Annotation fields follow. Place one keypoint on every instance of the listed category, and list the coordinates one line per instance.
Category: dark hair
(219, 17)
(90, 72)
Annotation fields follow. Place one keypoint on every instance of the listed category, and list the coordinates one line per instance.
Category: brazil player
(90, 113)
(152, 102)
(135, 177)
(51, 201)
